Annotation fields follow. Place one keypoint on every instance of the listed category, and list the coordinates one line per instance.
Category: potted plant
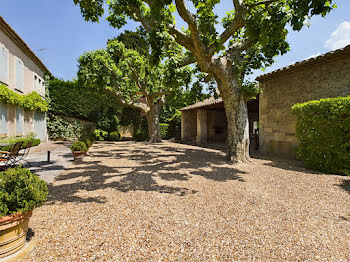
(20, 192)
(79, 149)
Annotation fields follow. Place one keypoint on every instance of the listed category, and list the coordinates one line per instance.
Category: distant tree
(254, 33)
(133, 80)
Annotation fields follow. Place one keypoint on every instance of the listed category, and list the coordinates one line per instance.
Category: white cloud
(312, 56)
(340, 37)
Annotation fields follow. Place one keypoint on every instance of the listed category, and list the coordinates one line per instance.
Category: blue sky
(57, 33)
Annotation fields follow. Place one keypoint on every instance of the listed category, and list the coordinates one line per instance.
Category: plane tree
(254, 32)
(133, 79)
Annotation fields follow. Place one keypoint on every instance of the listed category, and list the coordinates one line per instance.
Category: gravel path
(171, 202)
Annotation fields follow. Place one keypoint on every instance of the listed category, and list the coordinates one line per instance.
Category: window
(39, 85)
(19, 73)
(4, 63)
(19, 121)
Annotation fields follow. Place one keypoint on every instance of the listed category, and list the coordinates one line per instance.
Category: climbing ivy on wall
(30, 102)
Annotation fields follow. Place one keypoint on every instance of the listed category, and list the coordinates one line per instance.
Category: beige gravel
(171, 202)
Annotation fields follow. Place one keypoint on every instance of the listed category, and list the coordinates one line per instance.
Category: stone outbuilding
(205, 121)
(323, 76)
(319, 77)
(22, 72)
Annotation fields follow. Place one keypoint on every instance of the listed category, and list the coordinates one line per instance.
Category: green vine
(30, 102)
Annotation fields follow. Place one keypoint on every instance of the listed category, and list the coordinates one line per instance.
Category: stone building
(323, 76)
(22, 72)
(205, 121)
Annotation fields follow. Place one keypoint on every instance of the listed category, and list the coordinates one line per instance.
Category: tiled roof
(7, 29)
(308, 62)
(207, 102)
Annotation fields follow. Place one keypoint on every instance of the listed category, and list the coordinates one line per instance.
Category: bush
(108, 123)
(100, 135)
(114, 136)
(141, 131)
(164, 128)
(323, 130)
(88, 143)
(25, 139)
(78, 146)
(61, 129)
(20, 191)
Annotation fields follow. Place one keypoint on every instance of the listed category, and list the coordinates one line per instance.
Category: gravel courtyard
(132, 201)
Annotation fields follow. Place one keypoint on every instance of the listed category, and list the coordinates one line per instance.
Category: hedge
(164, 128)
(323, 130)
(30, 102)
(13, 140)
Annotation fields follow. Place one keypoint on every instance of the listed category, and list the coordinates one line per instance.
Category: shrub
(114, 136)
(141, 131)
(164, 128)
(108, 123)
(25, 139)
(61, 129)
(78, 146)
(323, 130)
(88, 143)
(100, 135)
(20, 191)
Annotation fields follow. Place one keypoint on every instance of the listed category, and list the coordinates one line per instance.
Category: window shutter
(19, 121)
(3, 64)
(3, 119)
(19, 75)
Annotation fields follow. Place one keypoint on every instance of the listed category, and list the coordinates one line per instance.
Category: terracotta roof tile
(207, 102)
(308, 62)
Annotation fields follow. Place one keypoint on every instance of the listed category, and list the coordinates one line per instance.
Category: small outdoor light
(48, 156)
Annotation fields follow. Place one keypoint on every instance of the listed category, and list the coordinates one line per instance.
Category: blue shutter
(40, 125)
(19, 121)
(19, 75)
(3, 119)
(3, 64)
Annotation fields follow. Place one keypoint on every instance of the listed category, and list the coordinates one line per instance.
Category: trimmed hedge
(12, 140)
(30, 102)
(323, 130)
(20, 191)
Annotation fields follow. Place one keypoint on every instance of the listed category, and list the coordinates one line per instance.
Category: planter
(79, 154)
(13, 233)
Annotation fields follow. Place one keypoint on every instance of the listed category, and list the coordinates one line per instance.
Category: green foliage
(30, 102)
(79, 146)
(20, 191)
(60, 129)
(88, 143)
(164, 129)
(251, 89)
(114, 136)
(68, 98)
(100, 135)
(323, 129)
(25, 139)
(141, 131)
(108, 123)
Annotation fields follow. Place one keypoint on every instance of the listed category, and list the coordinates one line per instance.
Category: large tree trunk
(237, 121)
(153, 124)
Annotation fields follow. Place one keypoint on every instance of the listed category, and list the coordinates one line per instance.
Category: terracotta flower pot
(13, 232)
(79, 154)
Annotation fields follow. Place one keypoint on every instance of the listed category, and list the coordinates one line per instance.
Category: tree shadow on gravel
(345, 185)
(139, 167)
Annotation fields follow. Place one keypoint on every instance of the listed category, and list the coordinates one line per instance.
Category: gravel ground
(174, 202)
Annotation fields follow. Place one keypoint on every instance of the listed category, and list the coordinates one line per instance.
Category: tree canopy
(254, 33)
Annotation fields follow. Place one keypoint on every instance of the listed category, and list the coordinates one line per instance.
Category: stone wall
(330, 78)
(188, 125)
